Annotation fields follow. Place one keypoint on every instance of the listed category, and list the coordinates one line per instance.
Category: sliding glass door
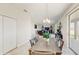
(74, 31)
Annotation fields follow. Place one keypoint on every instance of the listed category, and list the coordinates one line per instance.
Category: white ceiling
(39, 11)
(55, 11)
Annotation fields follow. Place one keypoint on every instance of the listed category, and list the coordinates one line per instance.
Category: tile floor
(67, 51)
(23, 50)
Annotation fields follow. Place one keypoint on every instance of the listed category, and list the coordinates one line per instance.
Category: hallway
(42, 28)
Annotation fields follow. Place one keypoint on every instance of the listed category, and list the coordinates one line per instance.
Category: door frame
(69, 14)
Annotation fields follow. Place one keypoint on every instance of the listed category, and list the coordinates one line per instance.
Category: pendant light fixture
(47, 20)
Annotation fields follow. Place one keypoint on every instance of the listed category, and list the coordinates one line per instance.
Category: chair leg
(58, 53)
(30, 51)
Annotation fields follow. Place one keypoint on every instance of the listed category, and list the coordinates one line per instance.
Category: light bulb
(47, 20)
(44, 21)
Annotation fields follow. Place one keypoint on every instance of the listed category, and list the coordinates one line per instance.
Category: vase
(47, 40)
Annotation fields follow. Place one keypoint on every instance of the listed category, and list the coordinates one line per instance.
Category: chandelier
(47, 20)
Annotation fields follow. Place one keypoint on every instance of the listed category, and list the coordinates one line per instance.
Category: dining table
(44, 47)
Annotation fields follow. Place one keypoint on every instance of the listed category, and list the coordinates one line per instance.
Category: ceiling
(55, 11)
(39, 11)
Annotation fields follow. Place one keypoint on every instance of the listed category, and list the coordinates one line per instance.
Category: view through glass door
(74, 32)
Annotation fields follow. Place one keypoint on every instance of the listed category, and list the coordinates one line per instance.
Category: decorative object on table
(59, 37)
(50, 29)
(40, 33)
(60, 26)
(35, 26)
(46, 35)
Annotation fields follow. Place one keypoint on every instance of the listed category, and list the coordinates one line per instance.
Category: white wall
(1, 35)
(24, 25)
(25, 29)
(9, 34)
(64, 30)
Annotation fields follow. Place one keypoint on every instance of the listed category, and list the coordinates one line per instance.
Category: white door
(0, 34)
(9, 34)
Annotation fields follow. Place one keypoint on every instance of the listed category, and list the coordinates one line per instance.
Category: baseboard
(9, 51)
